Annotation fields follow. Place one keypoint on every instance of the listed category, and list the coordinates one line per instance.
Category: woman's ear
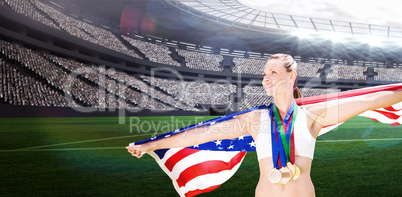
(293, 75)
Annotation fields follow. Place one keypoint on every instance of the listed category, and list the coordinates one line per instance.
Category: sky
(375, 12)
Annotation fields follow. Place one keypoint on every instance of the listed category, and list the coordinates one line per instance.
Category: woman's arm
(233, 128)
(337, 111)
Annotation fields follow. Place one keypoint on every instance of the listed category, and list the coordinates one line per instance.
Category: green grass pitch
(87, 157)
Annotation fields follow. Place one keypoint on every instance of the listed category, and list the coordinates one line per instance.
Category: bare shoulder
(254, 115)
(313, 118)
(252, 121)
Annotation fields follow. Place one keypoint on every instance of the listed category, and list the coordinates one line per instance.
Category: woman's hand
(137, 150)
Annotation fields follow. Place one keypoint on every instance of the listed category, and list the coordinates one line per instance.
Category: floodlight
(372, 40)
(302, 34)
(336, 37)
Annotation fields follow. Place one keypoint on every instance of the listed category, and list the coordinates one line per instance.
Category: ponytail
(297, 93)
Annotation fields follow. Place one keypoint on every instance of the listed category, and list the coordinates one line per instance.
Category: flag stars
(231, 147)
(241, 138)
(218, 142)
(252, 144)
(196, 146)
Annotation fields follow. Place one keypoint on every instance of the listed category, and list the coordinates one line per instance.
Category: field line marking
(356, 140)
(79, 142)
(122, 147)
(62, 149)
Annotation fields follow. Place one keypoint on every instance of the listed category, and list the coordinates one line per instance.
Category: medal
(291, 168)
(283, 152)
(274, 175)
(286, 175)
(297, 172)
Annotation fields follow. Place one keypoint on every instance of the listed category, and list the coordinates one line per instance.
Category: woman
(280, 78)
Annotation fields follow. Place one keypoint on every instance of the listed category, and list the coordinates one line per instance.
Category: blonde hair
(290, 64)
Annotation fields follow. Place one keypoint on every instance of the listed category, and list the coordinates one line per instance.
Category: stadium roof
(198, 23)
(259, 15)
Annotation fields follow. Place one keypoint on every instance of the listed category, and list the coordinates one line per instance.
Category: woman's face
(276, 79)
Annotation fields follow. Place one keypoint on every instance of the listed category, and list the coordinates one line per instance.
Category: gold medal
(297, 172)
(274, 175)
(291, 168)
(286, 175)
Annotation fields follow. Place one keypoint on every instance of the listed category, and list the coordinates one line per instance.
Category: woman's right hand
(137, 150)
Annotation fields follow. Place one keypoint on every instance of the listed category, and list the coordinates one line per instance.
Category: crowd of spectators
(46, 14)
(248, 65)
(195, 93)
(100, 87)
(102, 77)
(34, 62)
(154, 52)
(67, 76)
(340, 71)
(308, 92)
(254, 96)
(256, 67)
(52, 74)
(309, 69)
(145, 89)
(16, 88)
(388, 74)
(203, 61)
(27, 8)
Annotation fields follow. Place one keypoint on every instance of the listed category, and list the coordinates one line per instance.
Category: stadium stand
(201, 61)
(254, 96)
(347, 72)
(307, 92)
(249, 66)
(195, 93)
(121, 84)
(56, 72)
(49, 16)
(99, 87)
(256, 66)
(139, 85)
(154, 52)
(28, 9)
(309, 69)
(17, 88)
(388, 74)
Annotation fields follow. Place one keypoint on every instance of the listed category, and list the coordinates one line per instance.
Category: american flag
(204, 167)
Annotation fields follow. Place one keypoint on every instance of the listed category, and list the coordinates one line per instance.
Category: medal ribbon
(283, 150)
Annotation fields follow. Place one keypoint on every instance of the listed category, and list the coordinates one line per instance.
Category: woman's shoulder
(252, 116)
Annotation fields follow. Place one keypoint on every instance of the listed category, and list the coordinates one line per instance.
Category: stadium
(79, 80)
